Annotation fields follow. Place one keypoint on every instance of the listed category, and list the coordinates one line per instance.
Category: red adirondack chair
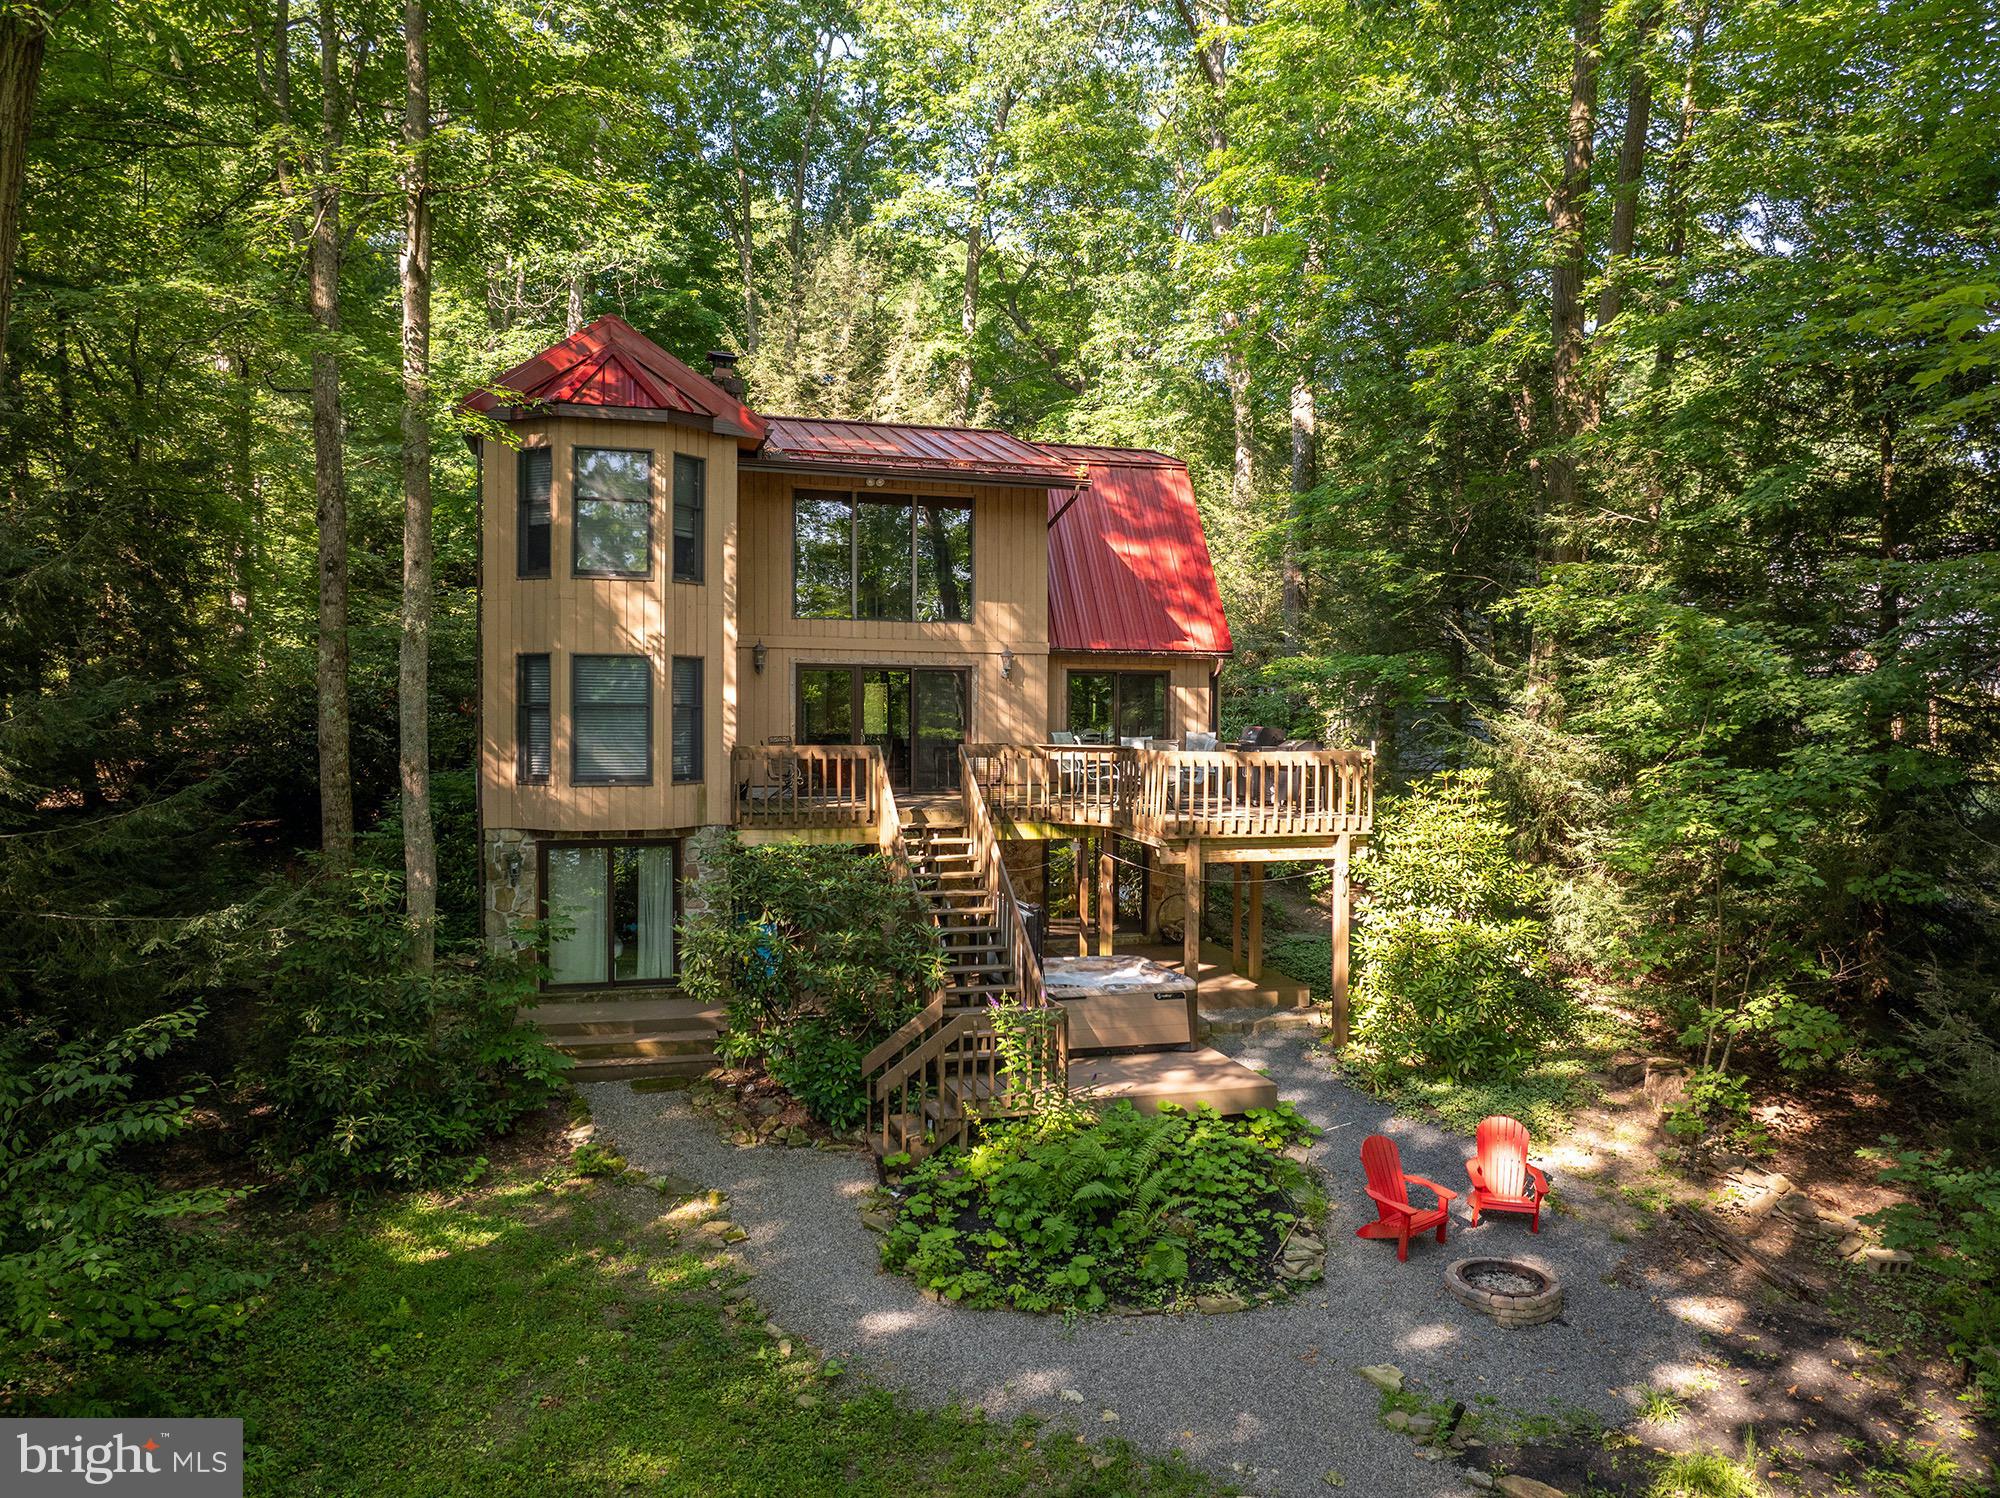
(1389, 1189)
(1501, 1175)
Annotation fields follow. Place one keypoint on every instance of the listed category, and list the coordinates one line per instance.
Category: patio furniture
(1389, 1189)
(1502, 1179)
(1199, 743)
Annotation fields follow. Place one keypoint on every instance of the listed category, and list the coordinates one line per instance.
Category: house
(953, 643)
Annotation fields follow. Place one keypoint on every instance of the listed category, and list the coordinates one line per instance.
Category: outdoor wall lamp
(757, 654)
(1006, 662)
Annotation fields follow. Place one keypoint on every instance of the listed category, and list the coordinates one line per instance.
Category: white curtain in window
(656, 913)
(578, 892)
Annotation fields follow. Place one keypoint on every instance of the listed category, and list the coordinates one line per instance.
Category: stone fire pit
(1514, 1292)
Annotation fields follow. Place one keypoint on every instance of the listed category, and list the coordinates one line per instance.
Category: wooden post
(1340, 901)
(1107, 894)
(1191, 940)
(1154, 891)
(1236, 917)
(1256, 969)
(1076, 889)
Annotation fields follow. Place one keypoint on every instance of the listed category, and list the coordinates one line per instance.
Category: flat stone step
(1259, 1021)
(1187, 1078)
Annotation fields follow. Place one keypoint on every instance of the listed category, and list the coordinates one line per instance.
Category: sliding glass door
(914, 716)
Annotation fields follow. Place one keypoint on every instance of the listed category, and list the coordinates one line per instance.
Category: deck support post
(1153, 891)
(1340, 898)
(1107, 894)
(1256, 969)
(1191, 937)
(1236, 918)
(1076, 889)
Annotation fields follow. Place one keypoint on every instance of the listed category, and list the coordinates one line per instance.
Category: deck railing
(1175, 793)
(804, 786)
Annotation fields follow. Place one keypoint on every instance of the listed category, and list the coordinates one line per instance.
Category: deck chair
(1389, 1189)
(1502, 1179)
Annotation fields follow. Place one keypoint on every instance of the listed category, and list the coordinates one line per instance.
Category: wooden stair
(630, 1039)
(966, 909)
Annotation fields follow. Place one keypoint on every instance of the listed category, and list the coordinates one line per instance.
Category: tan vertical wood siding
(1189, 679)
(1010, 591)
(565, 616)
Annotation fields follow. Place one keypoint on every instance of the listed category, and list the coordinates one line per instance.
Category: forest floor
(1821, 1372)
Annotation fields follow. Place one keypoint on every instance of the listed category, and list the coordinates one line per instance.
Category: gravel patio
(1268, 1399)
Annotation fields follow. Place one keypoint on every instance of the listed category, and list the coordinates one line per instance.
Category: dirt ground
(1827, 1376)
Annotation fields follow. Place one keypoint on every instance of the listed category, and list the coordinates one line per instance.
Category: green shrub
(1953, 1229)
(93, 1251)
(377, 1074)
(1452, 953)
(1056, 1214)
(817, 953)
(822, 1069)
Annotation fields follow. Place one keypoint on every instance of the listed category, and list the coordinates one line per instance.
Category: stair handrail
(1026, 962)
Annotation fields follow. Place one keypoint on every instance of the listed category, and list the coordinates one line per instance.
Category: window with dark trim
(534, 749)
(690, 482)
(533, 469)
(685, 748)
(612, 909)
(613, 504)
(1109, 706)
(866, 556)
(611, 720)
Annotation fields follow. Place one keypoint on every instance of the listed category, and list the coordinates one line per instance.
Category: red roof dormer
(611, 364)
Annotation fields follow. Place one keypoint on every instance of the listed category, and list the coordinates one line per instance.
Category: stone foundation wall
(510, 896)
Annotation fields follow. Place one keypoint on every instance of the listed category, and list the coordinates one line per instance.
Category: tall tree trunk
(746, 258)
(578, 291)
(1558, 539)
(968, 304)
(336, 781)
(414, 673)
(245, 552)
(1305, 475)
(24, 38)
(1212, 53)
(1631, 169)
(1673, 195)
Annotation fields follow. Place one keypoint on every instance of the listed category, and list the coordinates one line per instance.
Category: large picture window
(611, 909)
(1107, 707)
(611, 720)
(614, 512)
(876, 557)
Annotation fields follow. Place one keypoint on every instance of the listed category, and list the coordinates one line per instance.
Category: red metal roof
(820, 442)
(609, 363)
(1129, 568)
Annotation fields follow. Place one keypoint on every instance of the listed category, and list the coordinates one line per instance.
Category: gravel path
(1267, 1398)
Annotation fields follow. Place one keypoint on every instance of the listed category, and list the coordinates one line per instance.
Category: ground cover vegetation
(1080, 1210)
(1602, 396)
